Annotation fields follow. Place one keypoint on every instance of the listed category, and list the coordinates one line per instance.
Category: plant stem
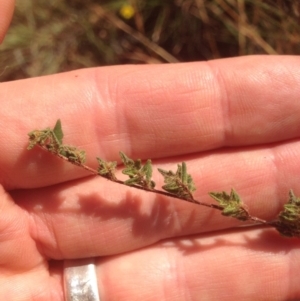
(254, 219)
(161, 192)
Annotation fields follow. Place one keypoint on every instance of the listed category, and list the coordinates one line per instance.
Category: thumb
(6, 12)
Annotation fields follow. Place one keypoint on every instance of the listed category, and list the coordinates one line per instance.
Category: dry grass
(54, 36)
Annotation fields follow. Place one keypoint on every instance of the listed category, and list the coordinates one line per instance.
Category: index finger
(148, 111)
(6, 12)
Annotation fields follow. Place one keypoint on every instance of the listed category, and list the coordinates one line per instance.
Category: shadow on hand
(159, 221)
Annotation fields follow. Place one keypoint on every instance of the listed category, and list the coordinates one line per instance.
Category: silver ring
(80, 280)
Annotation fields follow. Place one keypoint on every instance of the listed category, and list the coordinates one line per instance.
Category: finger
(24, 273)
(6, 13)
(17, 249)
(253, 265)
(95, 217)
(148, 111)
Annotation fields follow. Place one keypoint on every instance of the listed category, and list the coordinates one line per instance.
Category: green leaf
(51, 139)
(224, 198)
(184, 175)
(73, 154)
(107, 169)
(138, 174)
(126, 160)
(147, 170)
(179, 183)
(231, 203)
(58, 131)
(40, 137)
(288, 220)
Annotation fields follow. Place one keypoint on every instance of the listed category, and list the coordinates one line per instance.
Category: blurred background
(50, 36)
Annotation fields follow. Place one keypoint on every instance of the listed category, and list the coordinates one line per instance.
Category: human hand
(236, 124)
(6, 12)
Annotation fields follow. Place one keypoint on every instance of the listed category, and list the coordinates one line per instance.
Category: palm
(143, 242)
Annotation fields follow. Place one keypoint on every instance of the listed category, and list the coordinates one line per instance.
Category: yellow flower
(127, 11)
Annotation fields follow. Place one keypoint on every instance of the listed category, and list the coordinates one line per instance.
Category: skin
(6, 12)
(235, 122)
